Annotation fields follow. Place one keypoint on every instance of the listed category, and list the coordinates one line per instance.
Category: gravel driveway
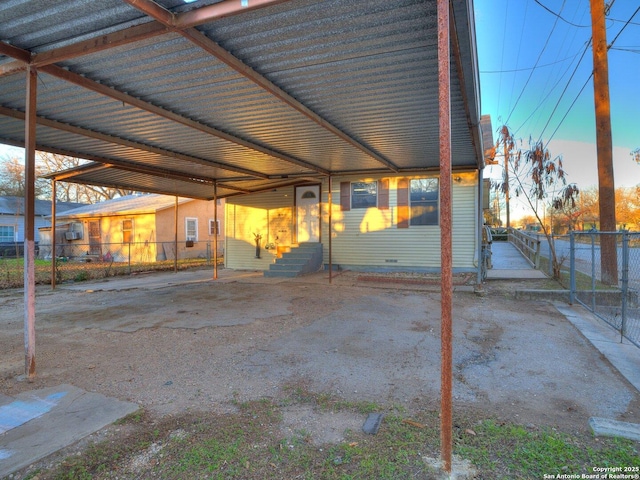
(192, 344)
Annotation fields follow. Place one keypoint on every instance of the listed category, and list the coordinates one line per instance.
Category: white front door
(308, 213)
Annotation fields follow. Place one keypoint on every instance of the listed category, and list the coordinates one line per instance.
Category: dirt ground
(205, 345)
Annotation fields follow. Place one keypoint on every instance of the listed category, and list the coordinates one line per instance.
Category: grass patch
(250, 444)
(12, 270)
(583, 281)
(509, 451)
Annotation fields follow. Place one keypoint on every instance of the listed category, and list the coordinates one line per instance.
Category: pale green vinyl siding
(370, 238)
(366, 238)
(270, 214)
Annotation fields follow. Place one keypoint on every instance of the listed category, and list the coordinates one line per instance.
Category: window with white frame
(191, 229)
(214, 227)
(7, 233)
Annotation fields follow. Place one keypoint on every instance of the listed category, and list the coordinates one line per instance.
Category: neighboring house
(140, 227)
(12, 221)
(377, 222)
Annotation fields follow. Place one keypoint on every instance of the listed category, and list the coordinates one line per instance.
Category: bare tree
(12, 182)
(537, 177)
(74, 192)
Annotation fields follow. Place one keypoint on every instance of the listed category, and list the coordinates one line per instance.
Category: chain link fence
(613, 300)
(75, 262)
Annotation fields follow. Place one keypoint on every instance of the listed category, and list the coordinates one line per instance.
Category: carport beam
(29, 226)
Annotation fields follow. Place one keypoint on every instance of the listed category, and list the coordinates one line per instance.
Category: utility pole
(506, 142)
(606, 188)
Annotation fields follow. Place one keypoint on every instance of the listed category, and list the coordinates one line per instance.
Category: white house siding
(369, 239)
(269, 214)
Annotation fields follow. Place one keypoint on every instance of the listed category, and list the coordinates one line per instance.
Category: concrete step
(281, 273)
(305, 258)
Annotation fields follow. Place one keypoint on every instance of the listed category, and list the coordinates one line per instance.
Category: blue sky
(532, 69)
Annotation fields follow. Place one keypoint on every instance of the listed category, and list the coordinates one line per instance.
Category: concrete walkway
(509, 263)
(38, 423)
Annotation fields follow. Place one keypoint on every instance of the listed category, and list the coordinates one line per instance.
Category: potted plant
(257, 237)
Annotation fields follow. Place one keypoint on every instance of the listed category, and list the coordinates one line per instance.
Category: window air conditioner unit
(73, 235)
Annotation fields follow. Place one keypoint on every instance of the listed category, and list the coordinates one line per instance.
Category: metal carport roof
(246, 94)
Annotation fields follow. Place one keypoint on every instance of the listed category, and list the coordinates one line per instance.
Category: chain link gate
(616, 304)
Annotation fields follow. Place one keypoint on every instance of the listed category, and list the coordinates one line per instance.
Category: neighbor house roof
(247, 95)
(127, 205)
(11, 205)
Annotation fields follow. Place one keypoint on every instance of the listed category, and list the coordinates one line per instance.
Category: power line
(526, 69)
(622, 49)
(569, 109)
(546, 43)
(624, 26)
(543, 100)
(588, 79)
(565, 89)
(560, 16)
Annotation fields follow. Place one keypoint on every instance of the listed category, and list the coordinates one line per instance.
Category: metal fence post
(625, 281)
(572, 267)
(593, 271)
(550, 257)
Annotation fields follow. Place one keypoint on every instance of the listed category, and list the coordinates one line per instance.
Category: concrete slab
(622, 354)
(509, 264)
(513, 274)
(505, 256)
(156, 280)
(461, 469)
(41, 422)
(603, 427)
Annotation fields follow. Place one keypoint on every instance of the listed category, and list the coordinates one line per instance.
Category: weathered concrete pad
(603, 427)
(461, 469)
(41, 422)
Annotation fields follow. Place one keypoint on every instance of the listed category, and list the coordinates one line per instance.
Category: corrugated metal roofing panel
(368, 69)
(128, 204)
(115, 178)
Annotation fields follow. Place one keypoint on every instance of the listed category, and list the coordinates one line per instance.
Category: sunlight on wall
(376, 220)
(337, 217)
(250, 221)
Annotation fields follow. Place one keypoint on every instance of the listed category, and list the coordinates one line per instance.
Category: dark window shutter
(403, 203)
(383, 194)
(345, 196)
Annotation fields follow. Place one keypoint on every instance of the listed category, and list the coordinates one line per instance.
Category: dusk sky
(535, 57)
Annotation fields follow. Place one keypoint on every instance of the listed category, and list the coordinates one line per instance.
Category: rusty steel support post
(444, 114)
(479, 232)
(29, 225)
(215, 231)
(175, 236)
(54, 184)
(330, 229)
